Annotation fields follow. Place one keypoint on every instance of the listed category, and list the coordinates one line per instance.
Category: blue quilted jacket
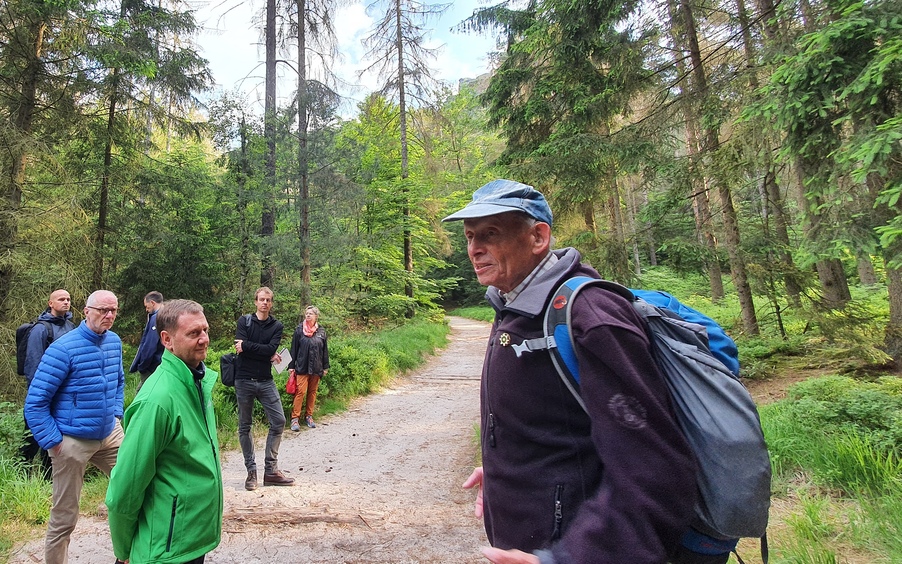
(77, 389)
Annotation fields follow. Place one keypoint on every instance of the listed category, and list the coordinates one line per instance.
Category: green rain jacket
(165, 496)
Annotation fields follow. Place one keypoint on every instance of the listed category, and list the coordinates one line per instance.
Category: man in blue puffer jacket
(73, 408)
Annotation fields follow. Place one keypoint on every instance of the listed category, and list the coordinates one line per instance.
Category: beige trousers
(70, 459)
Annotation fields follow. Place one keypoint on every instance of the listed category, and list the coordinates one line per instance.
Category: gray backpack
(714, 410)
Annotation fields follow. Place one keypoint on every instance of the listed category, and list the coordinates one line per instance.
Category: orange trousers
(307, 386)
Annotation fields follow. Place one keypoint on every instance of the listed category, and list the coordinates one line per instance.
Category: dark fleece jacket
(615, 486)
(260, 341)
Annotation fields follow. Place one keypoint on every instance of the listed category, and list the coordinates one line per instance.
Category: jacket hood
(55, 319)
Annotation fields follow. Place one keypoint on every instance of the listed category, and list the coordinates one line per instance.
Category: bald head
(59, 303)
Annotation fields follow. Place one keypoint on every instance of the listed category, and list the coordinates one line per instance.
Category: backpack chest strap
(538, 344)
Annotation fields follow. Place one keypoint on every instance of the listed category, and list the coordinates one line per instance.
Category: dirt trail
(378, 483)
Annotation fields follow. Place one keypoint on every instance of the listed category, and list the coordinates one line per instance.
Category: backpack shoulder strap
(558, 333)
(48, 328)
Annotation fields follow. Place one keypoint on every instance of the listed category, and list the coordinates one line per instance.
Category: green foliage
(360, 364)
(11, 429)
(479, 313)
(845, 435)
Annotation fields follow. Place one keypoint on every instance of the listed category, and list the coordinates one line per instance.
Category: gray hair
(92, 299)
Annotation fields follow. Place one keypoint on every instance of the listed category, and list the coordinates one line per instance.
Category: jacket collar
(90, 335)
(55, 319)
(531, 300)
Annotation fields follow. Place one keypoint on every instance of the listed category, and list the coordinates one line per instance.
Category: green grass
(835, 446)
(479, 313)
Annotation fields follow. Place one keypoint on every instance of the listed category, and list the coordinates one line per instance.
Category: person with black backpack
(610, 484)
(53, 323)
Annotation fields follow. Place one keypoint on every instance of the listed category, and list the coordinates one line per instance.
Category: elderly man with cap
(557, 484)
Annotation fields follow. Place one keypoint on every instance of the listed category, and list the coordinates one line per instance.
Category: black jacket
(309, 355)
(260, 340)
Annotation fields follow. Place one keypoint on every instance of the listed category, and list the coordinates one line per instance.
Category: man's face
(190, 339)
(149, 305)
(263, 301)
(100, 315)
(502, 249)
(59, 303)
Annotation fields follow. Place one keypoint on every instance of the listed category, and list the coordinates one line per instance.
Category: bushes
(839, 440)
(360, 364)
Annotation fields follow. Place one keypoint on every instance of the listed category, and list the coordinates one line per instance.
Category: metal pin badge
(504, 339)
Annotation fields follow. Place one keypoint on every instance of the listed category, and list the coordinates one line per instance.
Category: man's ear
(541, 233)
(166, 339)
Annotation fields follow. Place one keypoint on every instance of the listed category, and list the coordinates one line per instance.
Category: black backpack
(229, 363)
(22, 333)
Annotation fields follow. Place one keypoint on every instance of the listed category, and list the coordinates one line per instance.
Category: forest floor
(377, 483)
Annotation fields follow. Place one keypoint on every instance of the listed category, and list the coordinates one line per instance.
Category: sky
(233, 46)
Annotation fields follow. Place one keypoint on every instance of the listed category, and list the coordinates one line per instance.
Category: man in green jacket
(165, 495)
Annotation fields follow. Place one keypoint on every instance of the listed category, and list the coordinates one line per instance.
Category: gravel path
(378, 483)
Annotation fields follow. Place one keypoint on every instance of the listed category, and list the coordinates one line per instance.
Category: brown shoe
(277, 479)
(250, 484)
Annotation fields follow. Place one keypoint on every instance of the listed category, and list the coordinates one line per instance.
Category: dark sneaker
(277, 479)
(250, 484)
(310, 422)
(295, 426)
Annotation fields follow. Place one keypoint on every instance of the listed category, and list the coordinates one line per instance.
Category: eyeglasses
(104, 311)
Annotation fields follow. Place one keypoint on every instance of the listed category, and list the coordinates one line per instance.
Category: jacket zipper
(558, 512)
(491, 418)
(203, 412)
(491, 429)
(175, 501)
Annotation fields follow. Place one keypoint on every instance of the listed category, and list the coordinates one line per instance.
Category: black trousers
(686, 556)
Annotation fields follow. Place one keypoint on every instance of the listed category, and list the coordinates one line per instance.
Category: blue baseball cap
(500, 196)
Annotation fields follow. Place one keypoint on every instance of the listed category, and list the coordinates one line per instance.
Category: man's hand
(499, 556)
(475, 480)
(276, 358)
(238, 346)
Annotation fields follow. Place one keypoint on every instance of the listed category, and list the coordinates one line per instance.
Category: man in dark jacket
(559, 485)
(57, 320)
(257, 342)
(170, 453)
(150, 349)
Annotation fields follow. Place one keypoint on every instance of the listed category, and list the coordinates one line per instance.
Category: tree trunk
(777, 210)
(268, 219)
(866, 273)
(892, 340)
(698, 193)
(11, 198)
(884, 215)
(103, 203)
(405, 193)
(699, 84)
(244, 268)
(303, 158)
(830, 274)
